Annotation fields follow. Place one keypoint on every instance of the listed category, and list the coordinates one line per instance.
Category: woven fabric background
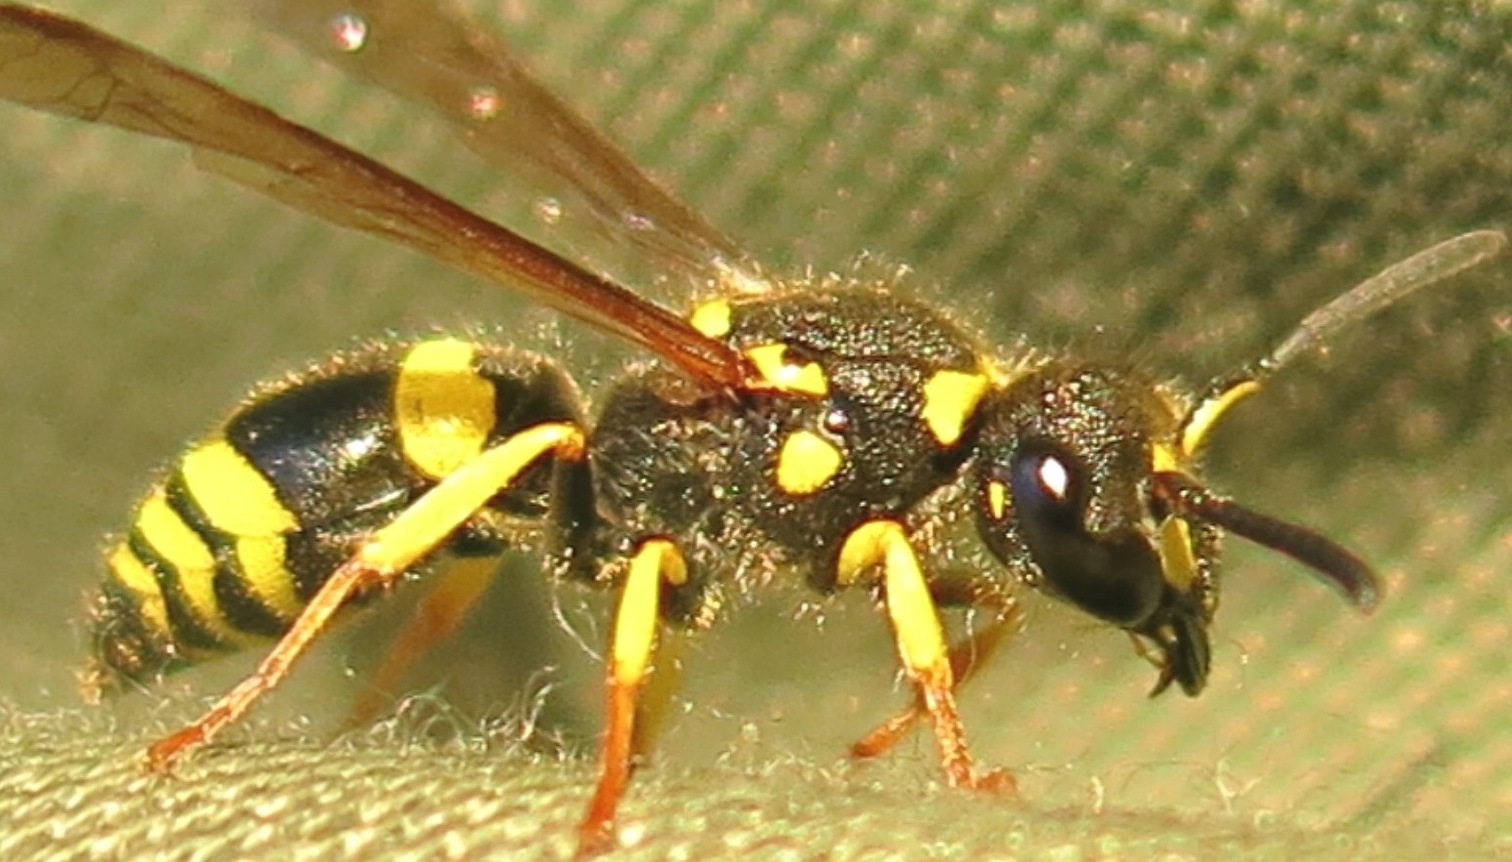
(1177, 182)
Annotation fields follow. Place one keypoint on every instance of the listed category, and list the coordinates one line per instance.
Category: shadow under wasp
(783, 429)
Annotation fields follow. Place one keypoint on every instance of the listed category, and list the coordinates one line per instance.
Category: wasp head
(1085, 488)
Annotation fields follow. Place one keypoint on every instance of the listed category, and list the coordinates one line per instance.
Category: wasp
(781, 429)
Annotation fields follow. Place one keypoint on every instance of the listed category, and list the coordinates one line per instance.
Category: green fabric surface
(1176, 182)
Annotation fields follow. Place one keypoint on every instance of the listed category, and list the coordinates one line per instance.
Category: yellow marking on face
(655, 561)
(712, 318)
(234, 496)
(997, 500)
(915, 621)
(267, 575)
(444, 410)
(132, 574)
(950, 400)
(806, 462)
(1200, 423)
(771, 361)
(1178, 562)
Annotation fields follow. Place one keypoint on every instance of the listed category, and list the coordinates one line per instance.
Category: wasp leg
(967, 655)
(434, 620)
(921, 640)
(661, 685)
(378, 562)
(655, 562)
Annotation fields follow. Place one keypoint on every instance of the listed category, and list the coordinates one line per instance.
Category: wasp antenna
(1337, 565)
(1395, 282)
(1366, 298)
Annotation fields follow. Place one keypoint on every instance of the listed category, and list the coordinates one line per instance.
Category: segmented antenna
(1333, 563)
(1397, 281)
(1391, 284)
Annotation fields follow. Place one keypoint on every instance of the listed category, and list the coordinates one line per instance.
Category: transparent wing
(433, 56)
(62, 66)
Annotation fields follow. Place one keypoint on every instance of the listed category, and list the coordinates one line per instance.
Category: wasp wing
(460, 70)
(62, 66)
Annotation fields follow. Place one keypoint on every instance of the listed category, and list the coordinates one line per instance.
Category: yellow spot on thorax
(235, 497)
(444, 409)
(950, 400)
(806, 462)
(712, 318)
(771, 361)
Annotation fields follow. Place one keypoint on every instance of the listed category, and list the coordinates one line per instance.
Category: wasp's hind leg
(656, 563)
(380, 560)
(436, 617)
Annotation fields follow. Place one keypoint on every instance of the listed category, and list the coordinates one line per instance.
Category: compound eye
(1114, 574)
(1048, 488)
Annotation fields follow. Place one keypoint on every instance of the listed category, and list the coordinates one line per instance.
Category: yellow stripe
(1178, 563)
(771, 361)
(445, 411)
(950, 400)
(193, 563)
(132, 574)
(863, 548)
(712, 318)
(997, 500)
(806, 462)
(1201, 421)
(172, 539)
(199, 593)
(266, 574)
(1165, 458)
(655, 562)
(430, 519)
(916, 624)
(234, 496)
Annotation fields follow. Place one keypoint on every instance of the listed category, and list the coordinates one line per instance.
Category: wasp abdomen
(226, 550)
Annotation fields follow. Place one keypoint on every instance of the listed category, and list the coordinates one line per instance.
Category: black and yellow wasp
(825, 432)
